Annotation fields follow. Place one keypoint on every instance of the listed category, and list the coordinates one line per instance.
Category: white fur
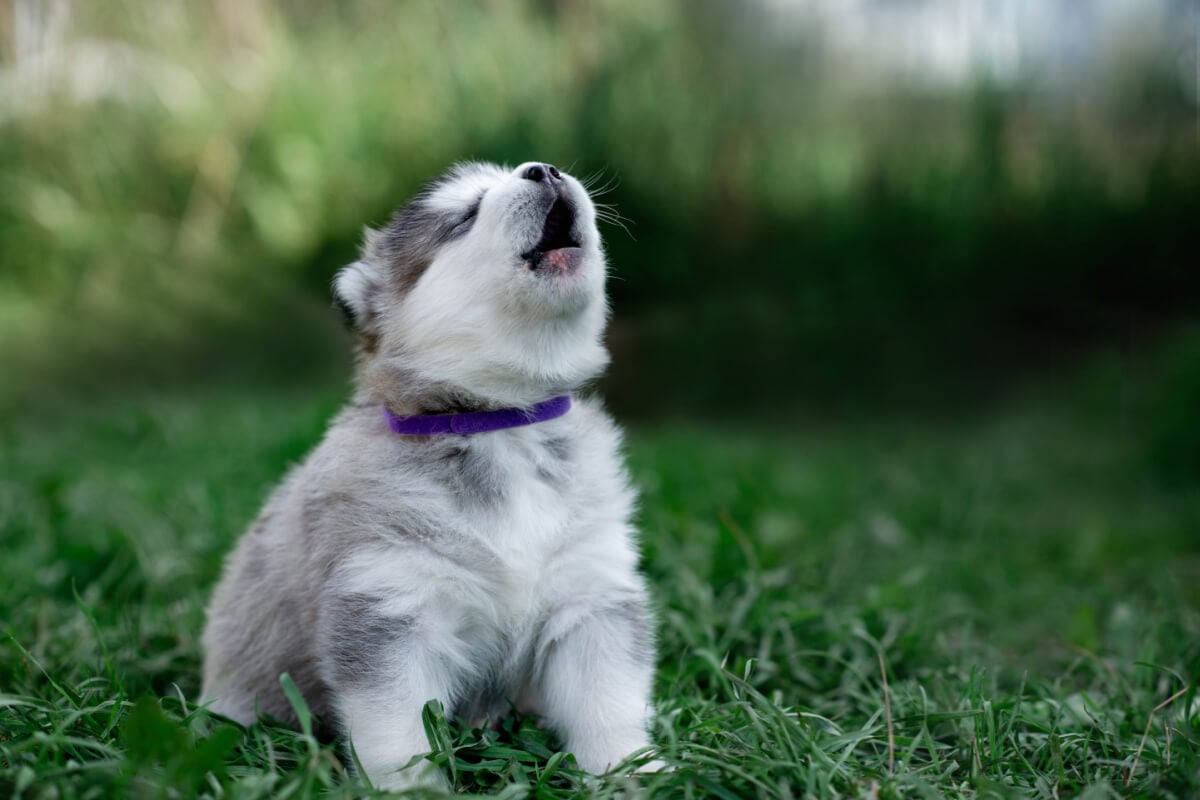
(357, 284)
(479, 571)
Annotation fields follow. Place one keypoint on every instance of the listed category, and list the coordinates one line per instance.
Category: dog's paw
(422, 775)
(654, 766)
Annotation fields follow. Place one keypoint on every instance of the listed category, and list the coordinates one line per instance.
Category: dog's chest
(516, 501)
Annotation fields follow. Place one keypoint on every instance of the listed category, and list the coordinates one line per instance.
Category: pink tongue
(560, 259)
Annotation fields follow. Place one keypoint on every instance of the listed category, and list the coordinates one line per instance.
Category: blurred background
(834, 208)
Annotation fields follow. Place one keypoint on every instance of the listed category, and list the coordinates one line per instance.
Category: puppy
(462, 533)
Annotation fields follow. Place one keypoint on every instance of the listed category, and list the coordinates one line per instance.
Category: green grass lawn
(1005, 607)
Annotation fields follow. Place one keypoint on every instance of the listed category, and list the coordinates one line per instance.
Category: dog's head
(487, 288)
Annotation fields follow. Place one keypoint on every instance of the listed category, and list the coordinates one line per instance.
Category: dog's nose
(542, 173)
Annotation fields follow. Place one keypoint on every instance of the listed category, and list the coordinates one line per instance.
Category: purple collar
(470, 422)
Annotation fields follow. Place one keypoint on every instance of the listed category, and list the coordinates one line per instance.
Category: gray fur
(560, 448)
(489, 694)
(404, 248)
(409, 242)
(634, 617)
(476, 479)
(267, 633)
(357, 639)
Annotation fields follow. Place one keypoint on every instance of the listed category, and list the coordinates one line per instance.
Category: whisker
(618, 222)
(607, 211)
(591, 179)
(612, 183)
(603, 190)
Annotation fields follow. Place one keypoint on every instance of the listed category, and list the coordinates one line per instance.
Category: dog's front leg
(382, 666)
(596, 668)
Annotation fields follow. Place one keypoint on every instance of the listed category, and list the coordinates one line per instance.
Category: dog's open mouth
(557, 230)
(558, 247)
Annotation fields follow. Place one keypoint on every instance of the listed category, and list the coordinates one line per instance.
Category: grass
(999, 608)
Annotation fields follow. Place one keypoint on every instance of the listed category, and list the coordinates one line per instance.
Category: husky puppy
(485, 568)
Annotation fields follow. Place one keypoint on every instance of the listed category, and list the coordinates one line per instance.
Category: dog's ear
(358, 293)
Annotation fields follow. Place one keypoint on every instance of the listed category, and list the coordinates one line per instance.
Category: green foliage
(1027, 590)
(795, 231)
(1172, 411)
(162, 752)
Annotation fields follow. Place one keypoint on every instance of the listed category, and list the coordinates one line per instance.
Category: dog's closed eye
(463, 225)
